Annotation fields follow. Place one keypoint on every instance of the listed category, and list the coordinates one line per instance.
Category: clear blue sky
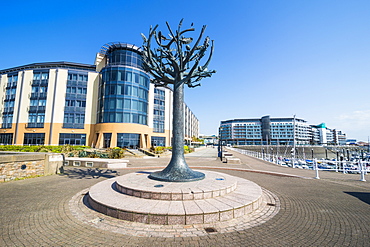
(276, 57)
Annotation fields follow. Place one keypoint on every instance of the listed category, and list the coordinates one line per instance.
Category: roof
(49, 65)
(105, 49)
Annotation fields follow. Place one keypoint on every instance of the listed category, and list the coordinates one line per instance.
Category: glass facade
(36, 110)
(75, 103)
(72, 139)
(125, 57)
(9, 101)
(159, 110)
(34, 139)
(128, 140)
(158, 141)
(123, 91)
(265, 129)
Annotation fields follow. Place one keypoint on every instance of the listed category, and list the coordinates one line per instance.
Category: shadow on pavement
(363, 196)
(90, 173)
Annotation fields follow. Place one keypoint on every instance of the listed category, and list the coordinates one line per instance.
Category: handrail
(358, 166)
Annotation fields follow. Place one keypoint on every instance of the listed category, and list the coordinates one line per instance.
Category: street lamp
(220, 143)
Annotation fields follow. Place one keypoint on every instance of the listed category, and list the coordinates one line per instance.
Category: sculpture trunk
(177, 170)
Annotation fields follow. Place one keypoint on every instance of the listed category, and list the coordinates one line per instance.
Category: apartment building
(109, 104)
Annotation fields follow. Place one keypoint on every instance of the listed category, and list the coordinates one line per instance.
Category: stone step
(245, 198)
(138, 185)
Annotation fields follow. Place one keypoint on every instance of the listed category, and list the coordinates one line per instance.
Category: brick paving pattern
(332, 211)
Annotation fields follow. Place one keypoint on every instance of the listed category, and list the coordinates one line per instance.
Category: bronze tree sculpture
(172, 60)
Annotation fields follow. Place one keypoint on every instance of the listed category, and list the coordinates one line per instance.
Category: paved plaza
(331, 211)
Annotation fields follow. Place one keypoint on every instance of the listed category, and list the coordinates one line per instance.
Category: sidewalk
(332, 211)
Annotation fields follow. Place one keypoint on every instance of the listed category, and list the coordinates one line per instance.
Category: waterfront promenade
(331, 211)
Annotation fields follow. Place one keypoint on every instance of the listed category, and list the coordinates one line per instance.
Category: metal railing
(35, 125)
(358, 166)
(75, 109)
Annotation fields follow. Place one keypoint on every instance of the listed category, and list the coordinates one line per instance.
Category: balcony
(35, 125)
(76, 84)
(158, 118)
(74, 109)
(9, 97)
(43, 83)
(6, 125)
(75, 96)
(11, 85)
(160, 97)
(159, 107)
(73, 125)
(36, 108)
(38, 95)
(8, 110)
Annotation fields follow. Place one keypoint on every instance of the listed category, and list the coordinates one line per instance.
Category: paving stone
(312, 212)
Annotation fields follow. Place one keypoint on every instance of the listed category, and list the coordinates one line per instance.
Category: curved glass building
(123, 96)
(124, 88)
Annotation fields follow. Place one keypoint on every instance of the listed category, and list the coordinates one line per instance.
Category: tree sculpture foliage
(172, 60)
(175, 60)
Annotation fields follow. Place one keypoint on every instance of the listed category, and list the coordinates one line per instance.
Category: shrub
(93, 154)
(188, 150)
(82, 154)
(116, 153)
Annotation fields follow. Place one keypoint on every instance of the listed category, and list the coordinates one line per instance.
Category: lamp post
(220, 143)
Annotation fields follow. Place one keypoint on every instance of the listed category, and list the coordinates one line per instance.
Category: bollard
(343, 167)
(316, 169)
(362, 172)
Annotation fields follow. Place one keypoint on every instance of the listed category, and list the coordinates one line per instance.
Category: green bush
(188, 150)
(93, 154)
(116, 153)
(82, 154)
(66, 149)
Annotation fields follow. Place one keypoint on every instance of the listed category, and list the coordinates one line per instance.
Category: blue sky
(277, 58)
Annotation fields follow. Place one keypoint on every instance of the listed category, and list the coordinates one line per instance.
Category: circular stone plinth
(138, 185)
(239, 197)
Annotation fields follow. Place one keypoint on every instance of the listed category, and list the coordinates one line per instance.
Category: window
(38, 102)
(128, 140)
(158, 141)
(6, 138)
(74, 120)
(34, 139)
(159, 111)
(72, 139)
(36, 119)
(37, 76)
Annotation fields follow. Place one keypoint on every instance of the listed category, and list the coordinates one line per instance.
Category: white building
(277, 131)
